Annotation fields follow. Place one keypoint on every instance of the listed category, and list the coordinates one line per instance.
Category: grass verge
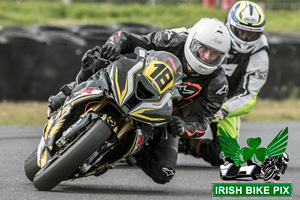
(269, 110)
(34, 113)
(56, 13)
(22, 113)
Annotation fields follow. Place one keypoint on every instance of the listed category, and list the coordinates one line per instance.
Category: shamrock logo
(259, 153)
(231, 148)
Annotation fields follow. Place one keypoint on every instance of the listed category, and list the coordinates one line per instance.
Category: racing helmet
(207, 37)
(245, 22)
(285, 157)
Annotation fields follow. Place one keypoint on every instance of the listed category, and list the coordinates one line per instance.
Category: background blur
(42, 42)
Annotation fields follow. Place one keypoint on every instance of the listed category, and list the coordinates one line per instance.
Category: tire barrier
(284, 70)
(93, 34)
(37, 61)
(58, 61)
(19, 59)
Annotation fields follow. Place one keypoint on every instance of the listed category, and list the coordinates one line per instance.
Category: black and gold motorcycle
(106, 119)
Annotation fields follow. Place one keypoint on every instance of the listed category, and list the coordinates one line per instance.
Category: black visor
(247, 36)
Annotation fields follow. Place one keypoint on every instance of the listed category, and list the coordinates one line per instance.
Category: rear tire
(30, 165)
(69, 161)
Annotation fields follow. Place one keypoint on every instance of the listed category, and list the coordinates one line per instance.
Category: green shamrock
(231, 148)
(248, 153)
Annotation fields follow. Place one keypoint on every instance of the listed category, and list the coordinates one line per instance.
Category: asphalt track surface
(193, 179)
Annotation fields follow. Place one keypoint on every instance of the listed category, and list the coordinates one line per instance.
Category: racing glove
(221, 114)
(90, 64)
(86, 60)
(110, 51)
(176, 126)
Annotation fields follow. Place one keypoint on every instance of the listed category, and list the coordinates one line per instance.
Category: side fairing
(154, 112)
(122, 75)
(85, 92)
(52, 128)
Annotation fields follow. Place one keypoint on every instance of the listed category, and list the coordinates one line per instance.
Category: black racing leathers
(202, 95)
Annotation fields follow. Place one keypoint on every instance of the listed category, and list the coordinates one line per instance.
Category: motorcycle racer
(204, 87)
(246, 71)
(277, 164)
(203, 78)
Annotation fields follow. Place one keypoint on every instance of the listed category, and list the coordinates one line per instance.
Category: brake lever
(96, 54)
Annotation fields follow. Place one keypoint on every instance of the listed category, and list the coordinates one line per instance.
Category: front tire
(269, 173)
(69, 161)
(30, 165)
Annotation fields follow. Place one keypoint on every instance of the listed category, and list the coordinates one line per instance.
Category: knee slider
(163, 171)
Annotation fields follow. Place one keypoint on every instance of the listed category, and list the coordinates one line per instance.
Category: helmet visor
(247, 36)
(205, 54)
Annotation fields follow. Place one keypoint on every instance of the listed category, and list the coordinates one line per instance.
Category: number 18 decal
(160, 74)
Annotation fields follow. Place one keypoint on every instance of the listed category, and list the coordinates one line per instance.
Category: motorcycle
(272, 167)
(107, 119)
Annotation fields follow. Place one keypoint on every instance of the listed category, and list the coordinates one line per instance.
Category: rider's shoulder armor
(261, 44)
(238, 64)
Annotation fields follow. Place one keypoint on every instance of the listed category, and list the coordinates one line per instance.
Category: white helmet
(207, 35)
(245, 22)
(285, 157)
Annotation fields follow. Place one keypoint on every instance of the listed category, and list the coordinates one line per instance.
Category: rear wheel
(64, 165)
(30, 165)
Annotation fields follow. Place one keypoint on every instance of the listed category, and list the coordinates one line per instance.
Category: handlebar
(96, 54)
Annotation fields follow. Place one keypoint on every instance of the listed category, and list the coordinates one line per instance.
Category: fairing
(143, 87)
(85, 92)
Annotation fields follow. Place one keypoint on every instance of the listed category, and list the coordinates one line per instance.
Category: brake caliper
(110, 121)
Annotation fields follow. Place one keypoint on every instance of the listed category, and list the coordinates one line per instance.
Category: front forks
(98, 107)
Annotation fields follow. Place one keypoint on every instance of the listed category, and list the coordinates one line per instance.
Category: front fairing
(52, 128)
(88, 90)
(143, 87)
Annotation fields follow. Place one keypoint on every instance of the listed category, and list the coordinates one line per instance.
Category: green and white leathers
(247, 65)
(246, 75)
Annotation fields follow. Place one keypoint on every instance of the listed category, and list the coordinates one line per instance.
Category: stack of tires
(20, 52)
(37, 61)
(283, 79)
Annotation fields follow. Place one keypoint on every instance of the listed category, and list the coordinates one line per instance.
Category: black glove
(90, 64)
(110, 51)
(176, 126)
(221, 114)
(88, 58)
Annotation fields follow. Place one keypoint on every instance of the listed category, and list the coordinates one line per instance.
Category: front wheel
(65, 164)
(30, 165)
(269, 173)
